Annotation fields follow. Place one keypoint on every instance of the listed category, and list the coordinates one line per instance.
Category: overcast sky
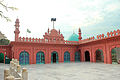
(92, 16)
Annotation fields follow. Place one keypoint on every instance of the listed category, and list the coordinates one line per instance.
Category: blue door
(66, 56)
(77, 57)
(24, 58)
(40, 58)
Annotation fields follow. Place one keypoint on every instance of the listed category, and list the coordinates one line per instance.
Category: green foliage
(113, 51)
(4, 42)
(6, 9)
(114, 59)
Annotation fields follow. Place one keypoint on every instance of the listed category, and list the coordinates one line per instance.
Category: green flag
(28, 31)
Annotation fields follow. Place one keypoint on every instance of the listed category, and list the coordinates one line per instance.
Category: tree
(2, 4)
(4, 42)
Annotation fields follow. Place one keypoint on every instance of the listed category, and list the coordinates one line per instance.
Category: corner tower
(17, 29)
(79, 33)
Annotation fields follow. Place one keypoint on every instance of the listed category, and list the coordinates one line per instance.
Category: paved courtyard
(70, 71)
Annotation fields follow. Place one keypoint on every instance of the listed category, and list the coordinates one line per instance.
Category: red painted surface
(54, 41)
(6, 50)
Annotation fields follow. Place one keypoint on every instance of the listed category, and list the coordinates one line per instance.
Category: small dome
(73, 37)
(53, 32)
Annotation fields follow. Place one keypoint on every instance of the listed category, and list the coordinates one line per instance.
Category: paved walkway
(2, 67)
(71, 71)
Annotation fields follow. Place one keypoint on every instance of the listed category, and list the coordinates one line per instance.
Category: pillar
(91, 57)
(24, 74)
(109, 57)
(47, 56)
(105, 56)
(18, 68)
(62, 55)
(82, 56)
(6, 73)
(94, 57)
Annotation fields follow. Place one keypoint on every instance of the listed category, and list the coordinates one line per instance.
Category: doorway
(66, 56)
(115, 53)
(40, 58)
(87, 56)
(1, 58)
(54, 57)
(24, 58)
(99, 56)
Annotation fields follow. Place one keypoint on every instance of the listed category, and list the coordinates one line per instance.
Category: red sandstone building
(54, 49)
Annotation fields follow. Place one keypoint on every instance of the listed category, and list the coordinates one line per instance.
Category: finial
(59, 31)
(79, 30)
(17, 23)
(17, 20)
(48, 29)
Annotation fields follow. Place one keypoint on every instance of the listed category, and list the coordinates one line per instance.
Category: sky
(92, 16)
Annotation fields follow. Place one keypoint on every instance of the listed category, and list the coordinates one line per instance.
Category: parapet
(38, 40)
(102, 36)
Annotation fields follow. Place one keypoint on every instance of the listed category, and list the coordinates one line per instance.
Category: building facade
(54, 49)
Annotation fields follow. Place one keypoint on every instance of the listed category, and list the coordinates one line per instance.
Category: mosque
(52, 48)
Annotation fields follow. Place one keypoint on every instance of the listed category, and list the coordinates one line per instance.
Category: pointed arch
(24, 58)
(40, 58)
(66, 56)
(115, 53)
(54, 57)
(1, 58)
(99, 55)
(87, 56)
(77, 56)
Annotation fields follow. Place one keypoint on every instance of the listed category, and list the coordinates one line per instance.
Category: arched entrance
(99, 56)
(54, 57)
(24, 58)
(66, 56)
(87, 56)
(40, 58)
(115, 52)
(77, 57)
(1, 58)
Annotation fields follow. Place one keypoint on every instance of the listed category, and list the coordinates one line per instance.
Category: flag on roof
(28, 31)
(53, 19)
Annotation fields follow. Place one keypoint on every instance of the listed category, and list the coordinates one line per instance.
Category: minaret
(17, 29)
(48, 31)
(79, 33)
(59, 31)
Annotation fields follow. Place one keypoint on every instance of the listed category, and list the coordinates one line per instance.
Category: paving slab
(70, 71)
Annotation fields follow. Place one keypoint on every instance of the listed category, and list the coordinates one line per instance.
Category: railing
(15, 72)
(71, 42)
(102, 36)
(31, 40)
(36, 40)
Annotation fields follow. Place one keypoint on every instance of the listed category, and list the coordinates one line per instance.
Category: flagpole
(53, 19)
(26, 33)
(53, 24)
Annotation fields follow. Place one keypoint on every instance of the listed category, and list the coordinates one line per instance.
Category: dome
(54, 32)
(73, 37)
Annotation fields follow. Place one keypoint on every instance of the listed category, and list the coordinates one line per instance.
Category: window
(54, 39)
(46, 40)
